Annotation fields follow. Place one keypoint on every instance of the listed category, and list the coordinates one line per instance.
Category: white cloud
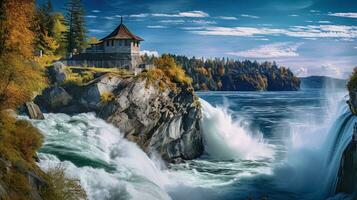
(227, 18)
(314, 11)
(202, 22)
(276, 50)
(96, 31)
(349, 15)
(236, 31)
(139, 15)
(301, 72)
(91, 16)
(149, 53)
(192, 28)
(156, 26)
(293, 15)
(173, 21)
(324, 22)
(355, 47)
(109, 18)
(310, 31)
(96, 11)
(262, 39)
(310, 38)
(249, 16)
(193, 14)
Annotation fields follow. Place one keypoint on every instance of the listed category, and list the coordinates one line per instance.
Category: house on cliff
(120, 49)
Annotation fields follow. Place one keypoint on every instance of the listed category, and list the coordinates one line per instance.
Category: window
(108, 43)
(112, 42)
(127, 42)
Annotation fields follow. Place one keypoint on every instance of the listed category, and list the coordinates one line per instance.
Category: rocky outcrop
(57, 73)
(54, 99)
(347, 176)
(33, 111)
(161, 120)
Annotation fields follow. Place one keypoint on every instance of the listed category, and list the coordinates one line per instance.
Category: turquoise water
(275, 145)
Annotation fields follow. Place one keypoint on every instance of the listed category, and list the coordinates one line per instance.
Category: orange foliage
(16, 34)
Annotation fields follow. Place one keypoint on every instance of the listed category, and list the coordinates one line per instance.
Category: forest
(223, 74)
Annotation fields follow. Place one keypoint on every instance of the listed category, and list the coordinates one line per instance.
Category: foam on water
(227, 139)
(108, 166)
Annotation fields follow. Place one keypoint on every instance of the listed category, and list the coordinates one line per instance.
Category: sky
(311, 37)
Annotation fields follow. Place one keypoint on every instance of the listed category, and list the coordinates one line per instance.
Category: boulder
(57, 73)
(92, 92)
(54, 99)
(33, 111)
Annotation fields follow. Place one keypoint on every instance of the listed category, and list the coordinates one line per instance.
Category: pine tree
(43, 28)
(76, 35)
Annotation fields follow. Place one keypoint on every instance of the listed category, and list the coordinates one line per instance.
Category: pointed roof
(122, 32)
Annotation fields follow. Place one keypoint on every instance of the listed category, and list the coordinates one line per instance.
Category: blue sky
(311, 37)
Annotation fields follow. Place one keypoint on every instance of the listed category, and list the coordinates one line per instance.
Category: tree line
(224, 74)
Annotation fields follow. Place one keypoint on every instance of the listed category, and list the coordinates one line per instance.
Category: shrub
(107, 97)
(61, 187)
(19, 139)
(352, 82)
(166, 73)
(173, 71)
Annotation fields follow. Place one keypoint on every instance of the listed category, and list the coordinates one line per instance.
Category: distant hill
(233, 75)
(322, 82)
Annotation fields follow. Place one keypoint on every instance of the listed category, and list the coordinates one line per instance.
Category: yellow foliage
(61, 187)
(20, 139)
(107, 97)
(174, 72)
(46, 60)
(19, 79)
(16, 35)
(202, 71)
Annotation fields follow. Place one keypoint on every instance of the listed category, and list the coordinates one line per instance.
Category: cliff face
(158, 120)
(161, 120)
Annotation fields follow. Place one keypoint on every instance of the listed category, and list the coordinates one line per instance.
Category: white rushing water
(227, 139)
(315, 149)
(110, 167)
(107, 165)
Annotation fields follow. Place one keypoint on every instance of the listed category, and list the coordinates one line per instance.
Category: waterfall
(107, 165)
(228, 139)
(314, 155)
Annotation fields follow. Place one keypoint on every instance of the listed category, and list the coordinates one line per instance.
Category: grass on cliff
(77, 76)
(352, 82)
(166, 73)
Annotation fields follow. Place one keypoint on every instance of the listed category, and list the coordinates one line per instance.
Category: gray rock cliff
(160, 120)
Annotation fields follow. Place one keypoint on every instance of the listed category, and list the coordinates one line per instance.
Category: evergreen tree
(43, 28)
(76, 35)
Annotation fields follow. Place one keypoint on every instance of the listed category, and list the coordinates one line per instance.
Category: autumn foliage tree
(19, 74)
